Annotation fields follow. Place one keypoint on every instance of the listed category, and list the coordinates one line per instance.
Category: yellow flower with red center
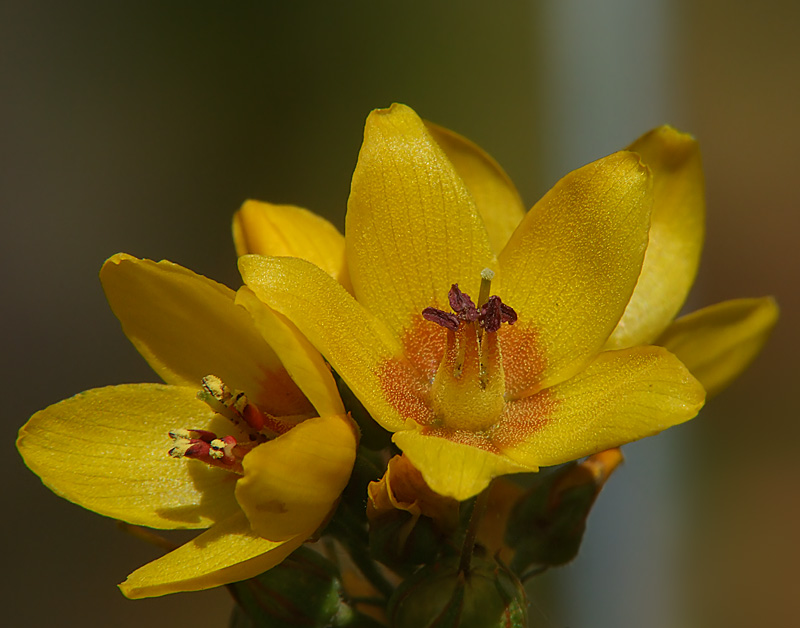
(491, 341)
(263, 453)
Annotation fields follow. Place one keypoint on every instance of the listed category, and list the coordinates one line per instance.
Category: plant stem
(472, 530)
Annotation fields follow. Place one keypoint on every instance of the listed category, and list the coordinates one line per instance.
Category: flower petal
(412, 227)
(454, 469)
(570, 268)
(290, 231)
(676, 236)
(344, 332)
(718, 342)
(106, 449)
(620, 397)
(496, 198)
(290, 484)
(228, 552)
(402, 487)
(188, 326)
(298, 356)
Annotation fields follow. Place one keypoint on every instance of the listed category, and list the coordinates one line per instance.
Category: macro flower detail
(481, 339)
(574, 374)
(259, 456)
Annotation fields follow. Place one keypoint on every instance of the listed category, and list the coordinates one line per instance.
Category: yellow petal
(412, 226)
(228, 552)
(354, 343)
(106, 449)
(402, 487)
(290, 484)
(188, 326)
(289, 231)
(676, 236)
(298, 356)
(571, 266)
(620, 397)
(496, 198)
(718, 342)
(454, 469)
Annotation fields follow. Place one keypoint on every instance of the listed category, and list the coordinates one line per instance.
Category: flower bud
(407, 519)
(547, 524)
(304, 590)
(488, 595)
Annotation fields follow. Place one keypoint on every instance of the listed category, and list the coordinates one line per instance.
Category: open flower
(263, 453)
(493, 341)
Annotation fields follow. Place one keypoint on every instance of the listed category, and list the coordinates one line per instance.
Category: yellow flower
(268, 465)
(493, 341)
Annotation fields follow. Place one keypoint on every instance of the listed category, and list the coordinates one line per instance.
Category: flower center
(469, 386)
(226, 452)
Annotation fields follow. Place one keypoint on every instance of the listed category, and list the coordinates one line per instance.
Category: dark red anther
(507, 313)
(494, 312)
(445, 319)
(491, 316)
(462, 304)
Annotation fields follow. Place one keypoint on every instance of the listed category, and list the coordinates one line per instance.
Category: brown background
(141, 127)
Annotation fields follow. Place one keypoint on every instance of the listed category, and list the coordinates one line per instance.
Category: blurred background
(141, 127)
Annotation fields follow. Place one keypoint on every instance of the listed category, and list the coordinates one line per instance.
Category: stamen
(468, 389)
(462, 304)
(224, 452)
(491, 316)
(461, 353)
(492, 313)
(236, 407)
(217, 395)
(440, 317)
(187, 434)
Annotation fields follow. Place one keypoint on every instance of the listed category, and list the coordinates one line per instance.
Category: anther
(492, 313)
(462, 305)
(235, 407)
(442, 318)
(223, 452)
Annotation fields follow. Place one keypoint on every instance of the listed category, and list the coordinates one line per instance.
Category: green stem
(472, 530)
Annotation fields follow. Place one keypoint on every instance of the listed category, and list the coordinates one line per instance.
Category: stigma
(468, 389)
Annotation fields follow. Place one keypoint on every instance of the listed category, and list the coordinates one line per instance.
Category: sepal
(305, 590)
(408, 522)
(547, 524)
(488, 595)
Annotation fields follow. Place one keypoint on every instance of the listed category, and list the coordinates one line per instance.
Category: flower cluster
(485, 339)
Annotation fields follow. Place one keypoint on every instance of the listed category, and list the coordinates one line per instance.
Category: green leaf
(305, 590)
(547, 524)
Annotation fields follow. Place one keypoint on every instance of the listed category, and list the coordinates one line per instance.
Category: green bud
(304, 590)
(398, 539)
(488, 595)
(547, 524)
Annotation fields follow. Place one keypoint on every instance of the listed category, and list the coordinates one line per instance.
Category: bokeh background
(142, 126)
